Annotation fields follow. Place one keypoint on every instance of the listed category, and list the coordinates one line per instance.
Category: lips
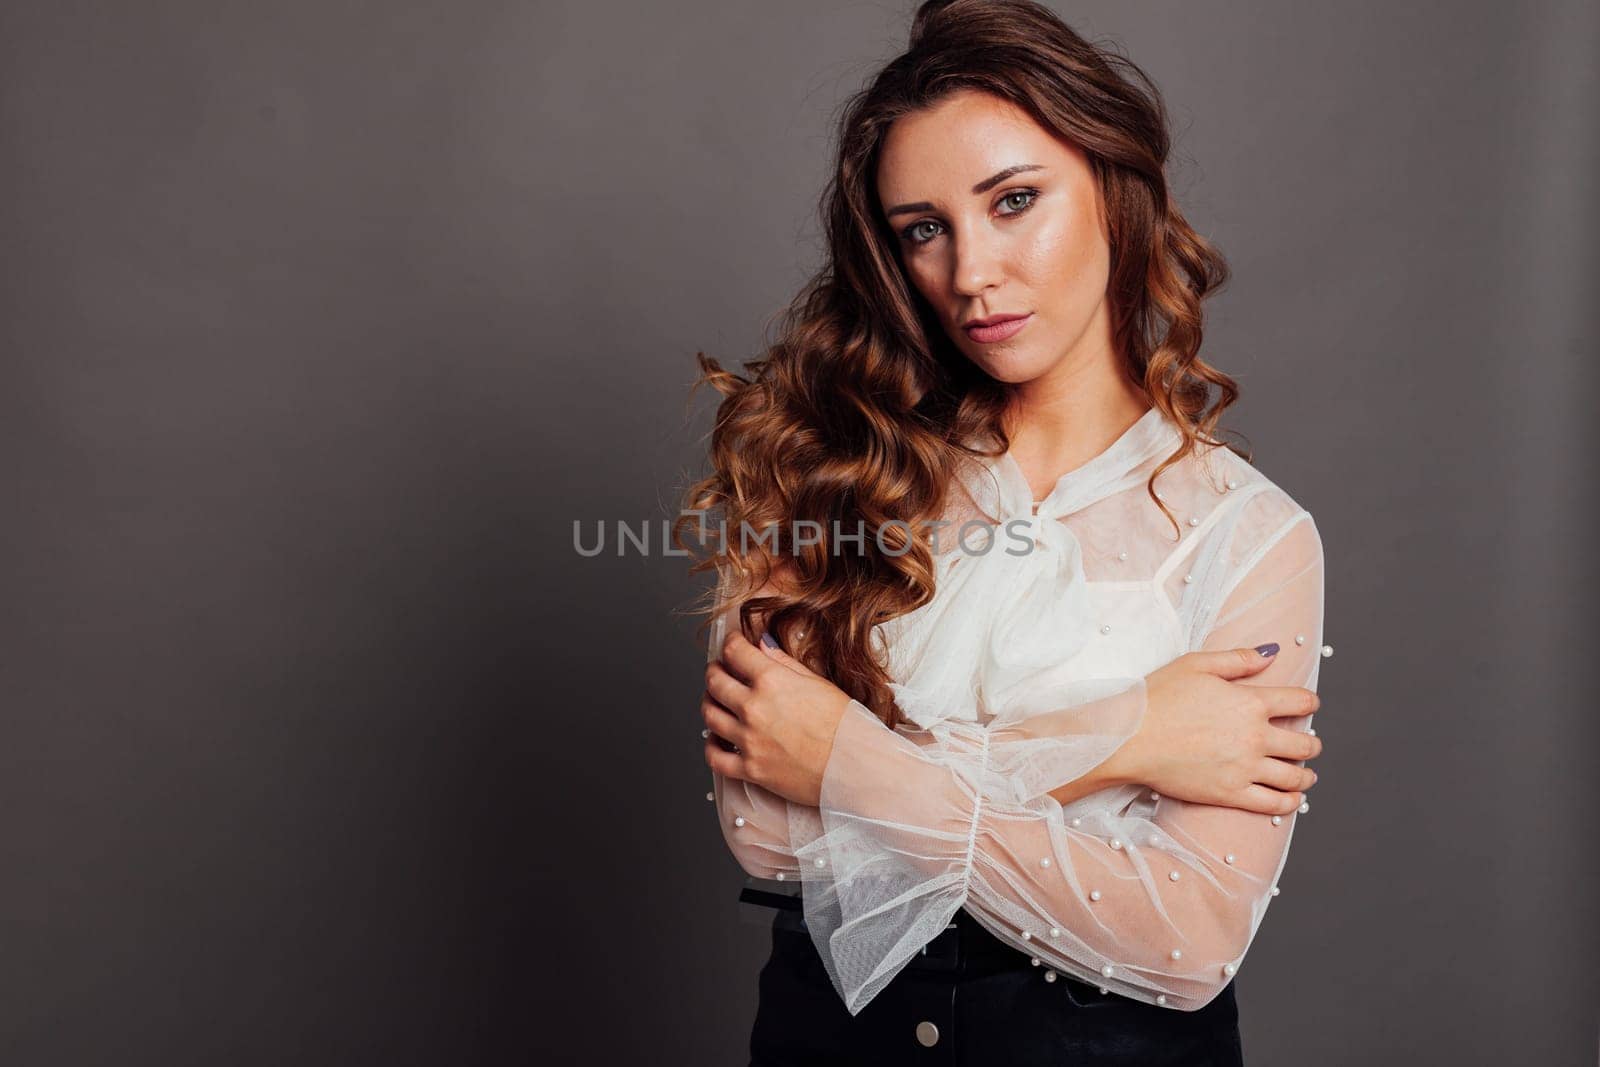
(997, 327)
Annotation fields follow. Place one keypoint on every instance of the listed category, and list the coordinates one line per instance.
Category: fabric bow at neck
(1000, 617)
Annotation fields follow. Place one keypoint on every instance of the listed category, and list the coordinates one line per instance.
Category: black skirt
(969, 998)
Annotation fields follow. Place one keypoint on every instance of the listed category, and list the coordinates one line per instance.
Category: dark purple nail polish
(1268, 649)
(768, 640)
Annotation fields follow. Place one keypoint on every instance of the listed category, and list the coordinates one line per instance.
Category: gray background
(323, 322)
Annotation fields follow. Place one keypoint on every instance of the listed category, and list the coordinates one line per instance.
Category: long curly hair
(862, 410)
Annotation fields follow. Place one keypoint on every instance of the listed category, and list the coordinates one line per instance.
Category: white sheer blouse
(1025, 671)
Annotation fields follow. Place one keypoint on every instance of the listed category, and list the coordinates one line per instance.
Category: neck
(1059, 422)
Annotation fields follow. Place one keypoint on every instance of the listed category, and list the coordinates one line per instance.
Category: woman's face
(996, 218)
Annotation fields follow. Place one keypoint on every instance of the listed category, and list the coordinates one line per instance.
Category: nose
(977, 264)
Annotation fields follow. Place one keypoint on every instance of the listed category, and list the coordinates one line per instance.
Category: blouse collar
(1121, 465)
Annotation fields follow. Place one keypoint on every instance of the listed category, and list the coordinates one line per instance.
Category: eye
(1028, 195)
(909, 234)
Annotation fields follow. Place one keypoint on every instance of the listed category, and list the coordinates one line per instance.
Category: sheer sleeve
(754, 820)
(1156, 902)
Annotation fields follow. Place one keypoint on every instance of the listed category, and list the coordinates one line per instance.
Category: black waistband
(788, 901)
(963, 944)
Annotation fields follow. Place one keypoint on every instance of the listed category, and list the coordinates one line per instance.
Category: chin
(1013, 368)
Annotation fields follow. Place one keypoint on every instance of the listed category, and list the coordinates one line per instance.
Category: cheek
(1067, 258)
(929, 282)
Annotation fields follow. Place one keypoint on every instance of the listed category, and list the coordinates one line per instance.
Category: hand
(780, 716)
(1208, 739)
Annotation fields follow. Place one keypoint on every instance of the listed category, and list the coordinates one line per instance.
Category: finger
(1285, 743)
(1237, 662)
(724, 688)
(728, 764)
(778, 655)
(1269, 801)
(1287, 777)
(742, 659)
(1288, 700)
(721, 722)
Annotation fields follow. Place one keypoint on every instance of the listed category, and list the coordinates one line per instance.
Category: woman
(1036, 782)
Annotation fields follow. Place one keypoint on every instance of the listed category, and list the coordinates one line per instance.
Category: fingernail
(1268, 649)
(767, 639)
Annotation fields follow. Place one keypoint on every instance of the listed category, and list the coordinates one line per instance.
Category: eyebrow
(977, 190)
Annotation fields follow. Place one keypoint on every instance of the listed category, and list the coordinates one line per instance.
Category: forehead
(941, 151)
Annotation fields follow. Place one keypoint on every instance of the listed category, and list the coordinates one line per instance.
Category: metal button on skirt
(969, 998)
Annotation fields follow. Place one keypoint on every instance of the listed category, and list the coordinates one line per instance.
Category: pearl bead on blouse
(1229, 969)
(1105, 629)
(711, 796)
(1122, 555)
(1173, 875)
(1094, 894)
(1275, 890)
(1106, 971)
(1116, 843)
(1277, 819)
(1305, 806)
(1299, 639)
(1193, 521)
(1327, 650)
(1177, 954)
(1228, 858)
(1049, 976)
(1188, 579)
(1044, 861)
(1161, 999)
(738, 820)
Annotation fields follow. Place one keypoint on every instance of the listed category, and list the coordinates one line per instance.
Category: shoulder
(1254, 512)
